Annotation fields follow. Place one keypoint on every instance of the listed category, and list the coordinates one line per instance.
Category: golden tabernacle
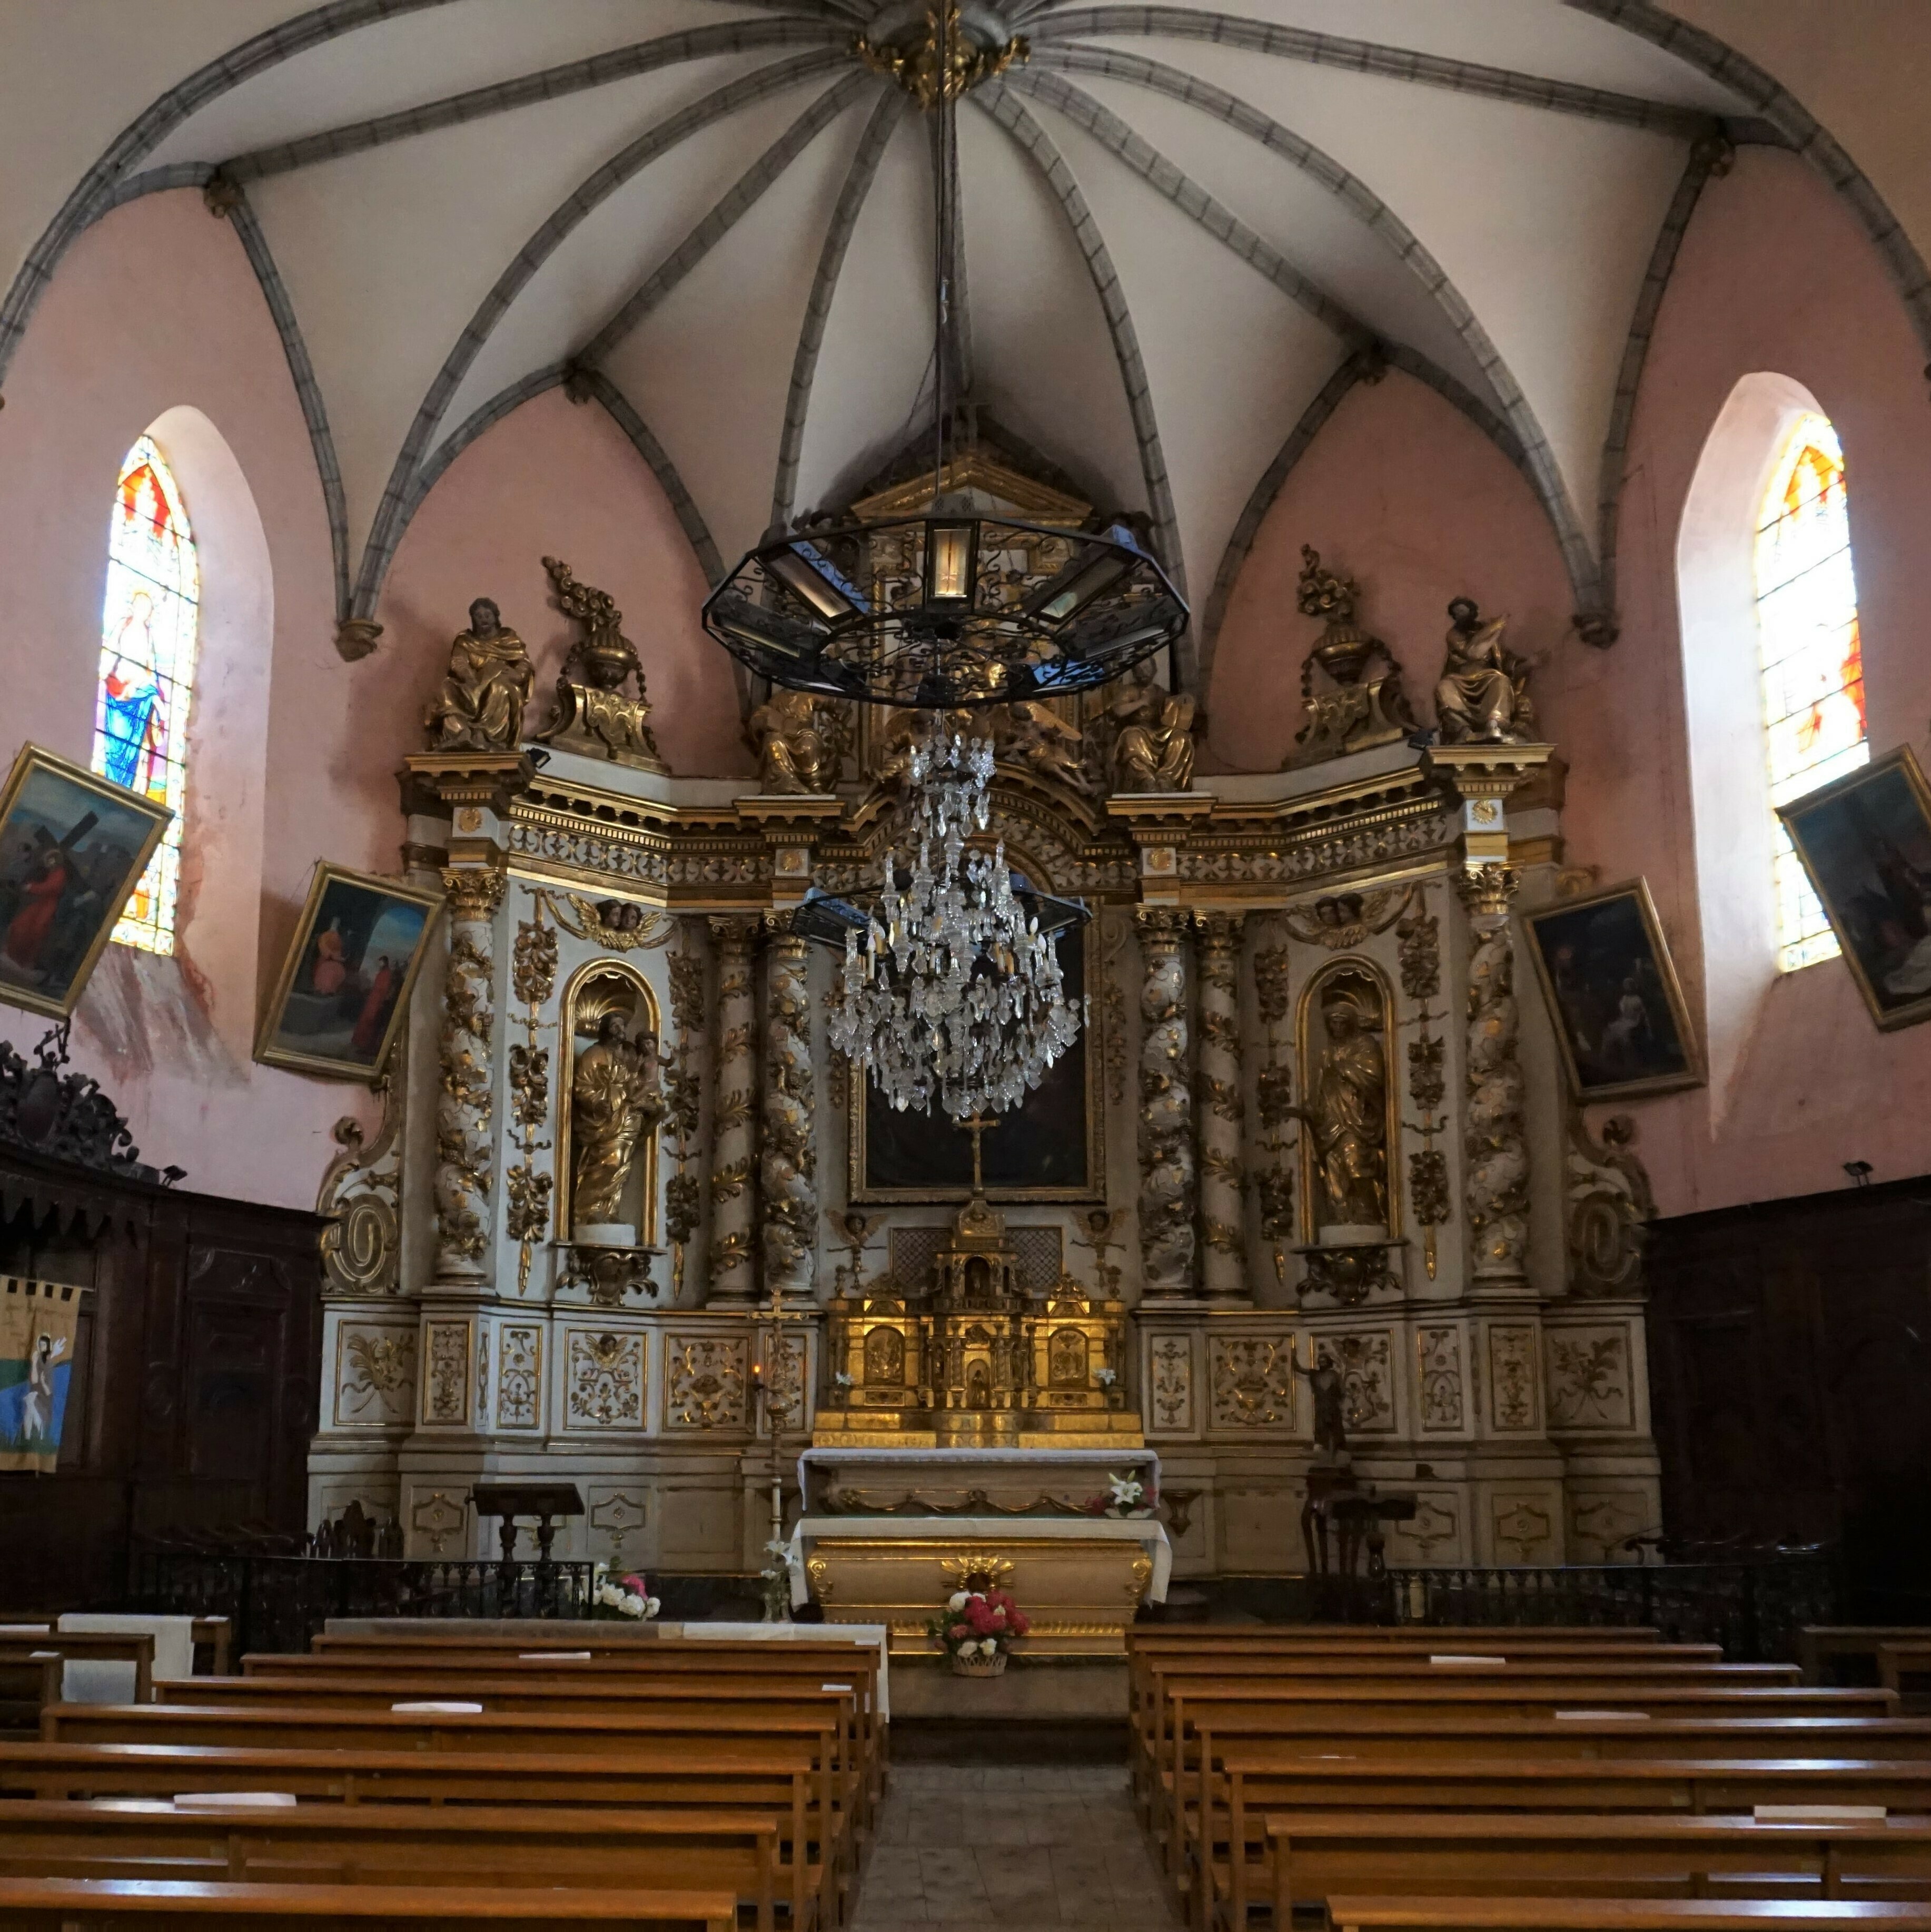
(977, 1361)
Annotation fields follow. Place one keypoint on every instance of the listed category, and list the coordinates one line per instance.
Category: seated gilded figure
(479, 706)
(795, 751)
(1152, 744)
(1483, 696)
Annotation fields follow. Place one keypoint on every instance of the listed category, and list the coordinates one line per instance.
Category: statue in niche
(481, 704)
(1152, 744)
(1483, 696)
(795, 752)
(1347, 1112)
(616, 1095)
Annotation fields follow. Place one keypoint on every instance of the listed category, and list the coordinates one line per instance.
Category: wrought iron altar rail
(279, 1603)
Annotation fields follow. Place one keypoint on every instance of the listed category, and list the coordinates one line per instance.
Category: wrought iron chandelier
(951, 608)
(950, 986)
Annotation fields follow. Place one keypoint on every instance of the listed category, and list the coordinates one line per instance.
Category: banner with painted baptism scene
(37, 1323)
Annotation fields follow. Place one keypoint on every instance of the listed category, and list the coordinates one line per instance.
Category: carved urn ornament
(1358, 711)
(594, 715)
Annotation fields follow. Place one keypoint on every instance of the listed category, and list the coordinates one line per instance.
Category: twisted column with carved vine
(683, 1089)
(1274, 1096)
(732, 1126)
(463, 1153)
(1167, 1178)
(788, 1164)
(1496, 1185)
(1222, 1178)
(532, 979)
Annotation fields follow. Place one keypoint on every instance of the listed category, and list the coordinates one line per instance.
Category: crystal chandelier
(951, 988)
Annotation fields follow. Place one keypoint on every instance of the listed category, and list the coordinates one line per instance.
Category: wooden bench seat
(32, 1651)
(1311, 1856)
(53, 1904)
(667, 1850)
(1382, 1913)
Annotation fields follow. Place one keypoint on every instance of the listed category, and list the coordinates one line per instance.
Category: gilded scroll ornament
(378, 1369)
(1438, 1354)
(479, 706)
(1153, 734)
(1358, 712)
(1253, 1381)
(594, 715)
(604, 1381)
(704, 1383)
(519, 1377)
(446, 1373)
(1167, 1195)
(1589, 1382)
(360, 1200)
(1608, 1206)
(1172, 1382)
(1483, 696)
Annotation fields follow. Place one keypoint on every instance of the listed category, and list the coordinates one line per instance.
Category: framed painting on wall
(343, 992)
(1613, 994)
(1865, 841)
(73, 848)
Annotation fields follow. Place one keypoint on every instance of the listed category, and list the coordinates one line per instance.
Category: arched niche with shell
(1350, 1109)
(602, 987)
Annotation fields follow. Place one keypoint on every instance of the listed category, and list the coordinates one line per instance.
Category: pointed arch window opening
(150, 618)
(1812, 657)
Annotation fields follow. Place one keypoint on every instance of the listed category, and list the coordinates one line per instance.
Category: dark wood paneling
(1790, 1365)
(194, 1395)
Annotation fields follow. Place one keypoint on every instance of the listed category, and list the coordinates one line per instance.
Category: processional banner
(37, 1323)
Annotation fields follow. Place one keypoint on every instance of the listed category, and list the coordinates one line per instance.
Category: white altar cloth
(1148, 1531)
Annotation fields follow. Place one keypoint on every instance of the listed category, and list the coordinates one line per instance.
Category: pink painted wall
(156, 309)
(557, 479)
(1400, 491)
(1774, 275)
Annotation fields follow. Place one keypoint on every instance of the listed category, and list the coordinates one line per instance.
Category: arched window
(148, 632)
(1813, 677)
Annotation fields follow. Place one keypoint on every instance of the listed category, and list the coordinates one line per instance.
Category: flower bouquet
(628, 1600)
(1126, 1496)
(975, 1630)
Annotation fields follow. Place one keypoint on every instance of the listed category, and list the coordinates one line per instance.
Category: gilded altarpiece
(1323, 1111)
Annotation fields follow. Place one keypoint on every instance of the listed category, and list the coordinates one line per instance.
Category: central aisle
(1024, 1848)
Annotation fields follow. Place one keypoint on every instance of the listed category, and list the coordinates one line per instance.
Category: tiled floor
(1022, 1850)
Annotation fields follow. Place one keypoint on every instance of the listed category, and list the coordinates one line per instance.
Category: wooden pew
(778, 1780)
(43, 1903)
(1899, 1660)
(1817, 1644)
(1314, 1854)
(137, 1648)
(213, 1634)
(668, 1849)
(1380, 1913)
(1162, 1632)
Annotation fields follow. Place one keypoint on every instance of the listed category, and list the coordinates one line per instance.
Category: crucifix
(976, 1126)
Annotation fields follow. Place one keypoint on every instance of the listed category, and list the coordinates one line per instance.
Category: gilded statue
(1035, 735)
(616, 1095)
(594, 715)
(1359, 711)
(1346, 1114)
(1483, 696)
(1152, 744)
(479, 706)
(795, 752)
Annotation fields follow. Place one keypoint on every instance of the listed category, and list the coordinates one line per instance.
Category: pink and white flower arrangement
(976, 1626)
(627, 1599)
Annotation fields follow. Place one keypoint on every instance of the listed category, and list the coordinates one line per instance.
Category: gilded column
(733, 1130)
(789, 1166)
(1224, 1266)
(464, 1155)
(1496, 1139)
(1167, 1180)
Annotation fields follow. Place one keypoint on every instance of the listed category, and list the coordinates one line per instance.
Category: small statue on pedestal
(1483, 696)
(479, 706)
(1152, 744)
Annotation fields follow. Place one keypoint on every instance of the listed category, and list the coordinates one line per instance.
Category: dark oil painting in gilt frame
(1865, 840)
(1613, 994)
(1049, 1148)
(73, 848)
(343, 992)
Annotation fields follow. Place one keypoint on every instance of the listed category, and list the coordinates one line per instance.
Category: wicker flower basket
(978, 1666)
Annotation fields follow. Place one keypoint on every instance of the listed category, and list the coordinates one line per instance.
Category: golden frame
(566, 1055)
(860, 1193)
(1638, 890)
(32, 760)
(1903, 760)
(1352, 965)
(328, 1066)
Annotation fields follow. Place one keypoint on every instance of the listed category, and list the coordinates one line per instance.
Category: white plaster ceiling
(1542, 219)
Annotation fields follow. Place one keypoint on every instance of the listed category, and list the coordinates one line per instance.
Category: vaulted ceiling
(1183, 224)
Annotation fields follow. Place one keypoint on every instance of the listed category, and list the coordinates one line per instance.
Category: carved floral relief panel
(1251, 1378)
(1367, 1365)
(617, 1516)
(1439, 1379)
(437, 1518)
(1514, 1403)
(785, 1367)
(445, 1374)
(1602, 1521)
(1433, 1535)
(1524, 1529)
(1169, 1383)
(1590, 1385)
(520, 1377)
(603, 1379)
(705, 1379)
(375, 1376)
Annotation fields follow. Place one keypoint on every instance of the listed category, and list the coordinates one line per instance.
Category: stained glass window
(147, 671)
(1813, 675)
